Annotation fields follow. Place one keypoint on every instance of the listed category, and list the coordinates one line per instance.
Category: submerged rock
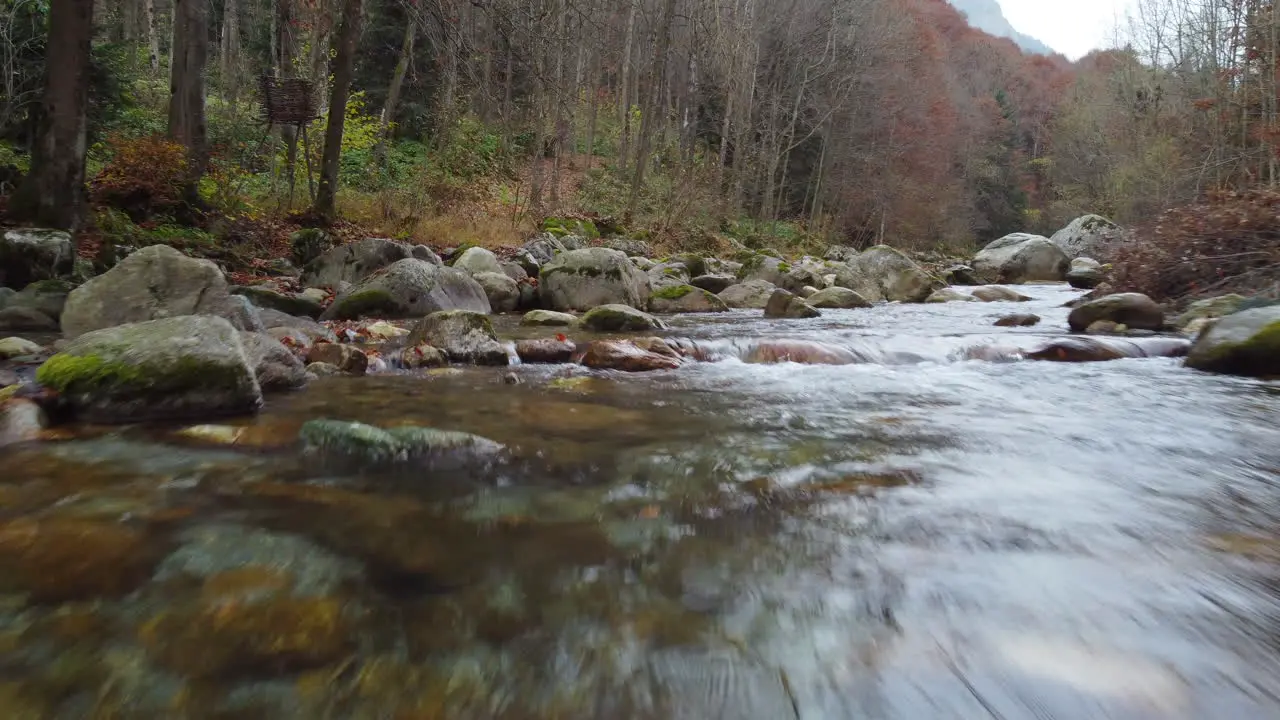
(344, 357)
(176, 368)
(783, 304)
(625, 356)
(752, 294)
(946, 295)
(799, 351)
(1018, 320)
(1096, 349)
(1133, 310)
(366, 443)
(57, 560)
(1244, 343)
(685, 299)
(619, 318)
(323, 369)
(410, 288)
(1021, 258)
(837, 297)
(548, 318)
(584, 279)
(545, 350)
(466, 337)
(996, 293)
(31, 254)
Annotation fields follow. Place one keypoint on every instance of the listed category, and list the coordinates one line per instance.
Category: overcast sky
(1072, 27)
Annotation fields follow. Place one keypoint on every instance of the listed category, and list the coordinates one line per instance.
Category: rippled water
(911, 537)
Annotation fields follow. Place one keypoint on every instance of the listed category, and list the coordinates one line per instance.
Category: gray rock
(353, 262)
(946, 295)
(548, 318)
(783, 304)
(753, 294)
(529, 298)
(1021, 258)
(26, 319)
(152, 283)
(1085, 278)
(21, 420)
(362, 444)
(959, 275)
(1090, 235)
(478, 260)
(837, 297)
(1243, 343)
(464, 336)
(273, 365)
(713, 283)
(884, 273)
(514, 271)
(996, 293)
(242, 314)
(502, 291)
(1018, 320)
(770, 269)
(644, 264)
(841, 253)
(574, 242)
(6, 294)
(266, 297)
(323, 369)
(1210, 308)
(541, 250)
(583, 279)
(634, 248)
(667, 275)
(11, 347)
(410, 288)
(809, 291)
(308, 244)
(1085, 263)
(685, 299)
(47, 296)
(425, 254)
(1133, 310)
(180, 368)
(347, 359)
(619, 318)
(31, 254)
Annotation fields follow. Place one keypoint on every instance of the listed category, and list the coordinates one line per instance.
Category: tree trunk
(624, 86)
(53, 194)
(393, 90)
(230, 65)
(186, 86)
(153, 32)
(344, 62)
(654, 109)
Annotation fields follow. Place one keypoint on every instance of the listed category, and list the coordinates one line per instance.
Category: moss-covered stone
(1244, 343)
(674, 292)
(548, 318)
(619, 318)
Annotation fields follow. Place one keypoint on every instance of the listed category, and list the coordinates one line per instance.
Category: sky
(1072, 27)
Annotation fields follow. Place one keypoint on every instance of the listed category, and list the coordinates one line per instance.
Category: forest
(776, 122)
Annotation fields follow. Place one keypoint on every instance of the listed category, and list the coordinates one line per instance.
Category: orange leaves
(144, 175)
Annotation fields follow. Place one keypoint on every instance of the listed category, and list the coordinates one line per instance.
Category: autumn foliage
(1228, 242)
(146, 176)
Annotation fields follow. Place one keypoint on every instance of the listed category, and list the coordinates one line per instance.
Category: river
(916, 536)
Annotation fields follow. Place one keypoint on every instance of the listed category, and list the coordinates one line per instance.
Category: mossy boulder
(562, 227)
(1089, 235)
(154, 282)
(464, 336)
(685, 299)
(667, 274)
(31, 254)
(837, 298)
(753, 294)
(368, 444)
(353, 262)
(409, 288)
(308, 244)
(759, 266)
(1133, 310)
(1209, 309)
(783, 304)
(1021, 258)
(549, 318)
(583, 279)
(272, 299)
(619, 318)
(884, 273)
(181, 368)
(1244, 343)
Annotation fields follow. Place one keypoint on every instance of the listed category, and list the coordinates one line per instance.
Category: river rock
(1209, 309)
(884, 273)
(946, 295)
(152, 283)
(549, 318)
(619, 318)
(344, 357)
(798, 351)
(465, 336)
(11, 347)
(715, 284)
(26, 319)
(21, 420)
(1243, 343)
(31, 254)
(180, 368)
(752, 294)
(769, 269)
(267, 298)
(642, 263)
(323, 369)
(275, 367)
(353, 262)
(625, 356)
(410, 288)
(502, 291)
(366, 443)
(996, 293)
(1096, 349)
(959, 275)
(667, 274)
(1018, 320)
(477, 260)
(515, 272)
(61, 559)
(48, 297)
(545, 350)
(1099, 292)
(1021, 258)
(584, 279)
(838, 298)
(685, 299)
(541, 251)
(783, 304)
(1133, 310)
(1090, 235)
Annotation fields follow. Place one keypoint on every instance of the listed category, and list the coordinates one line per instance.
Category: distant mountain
(987, 16)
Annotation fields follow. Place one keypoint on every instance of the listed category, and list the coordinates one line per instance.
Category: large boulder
(49, 297)
(353, 262)
(1133, 310)
(685, 299)
(714, 284)
(410, 288)
(1201, 311)
(1244, 343)
(769, 269)
(30, 254)
(502, 291)
(179, 368)
(783, 304)
(477, 260)
(270, 298)
(752, 294)
(618, 318)
(996, 293)
(1090, 235)
(583, 279)
(625, 356)
(275, 367)
(884, 273)
(667, 275)
(1021, 258)
(948, 294)
(548, 318)
(837, 298)
(26, 319)
(154, 282)
(463, 335)
(541, 251)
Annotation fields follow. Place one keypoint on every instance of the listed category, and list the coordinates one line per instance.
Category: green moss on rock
(674, 292)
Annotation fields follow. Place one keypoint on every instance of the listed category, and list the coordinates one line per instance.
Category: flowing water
(913, 536)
